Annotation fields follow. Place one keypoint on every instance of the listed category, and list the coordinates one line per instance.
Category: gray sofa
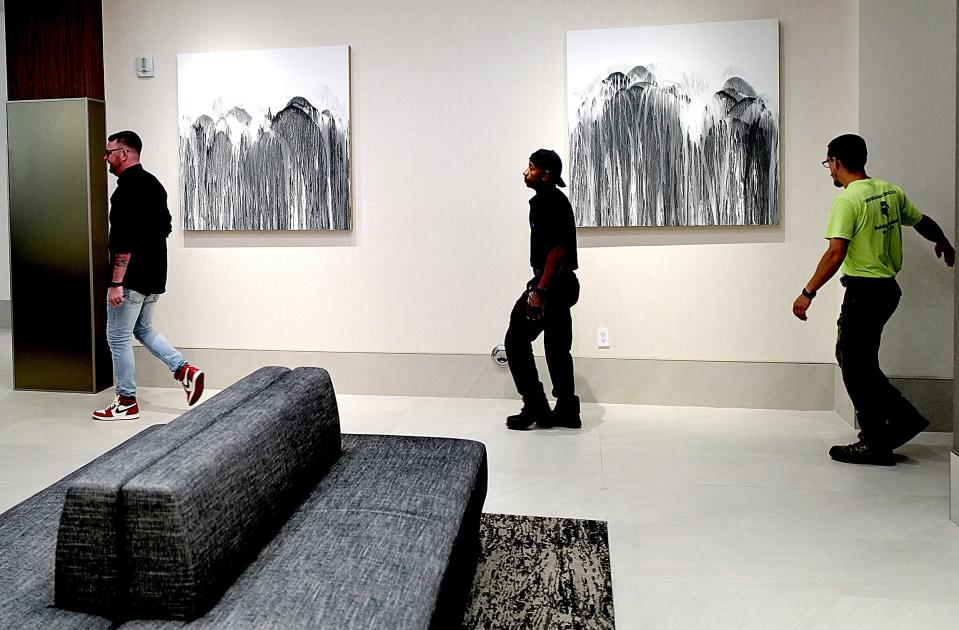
(251, 511)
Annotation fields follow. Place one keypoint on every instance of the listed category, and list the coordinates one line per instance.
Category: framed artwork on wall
(674, 125)
(265, 139)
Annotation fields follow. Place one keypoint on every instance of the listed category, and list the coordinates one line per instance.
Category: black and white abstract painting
(265, 139)
(675, 125)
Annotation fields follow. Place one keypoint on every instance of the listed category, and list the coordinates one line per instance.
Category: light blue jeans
(134, 318)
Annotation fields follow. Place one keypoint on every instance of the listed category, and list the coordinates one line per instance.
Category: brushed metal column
(58, 244)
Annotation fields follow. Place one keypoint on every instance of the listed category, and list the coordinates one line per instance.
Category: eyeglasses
(109, 151)
(826, 162)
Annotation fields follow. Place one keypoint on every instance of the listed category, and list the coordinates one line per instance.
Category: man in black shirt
(139, 225)
(544, 305)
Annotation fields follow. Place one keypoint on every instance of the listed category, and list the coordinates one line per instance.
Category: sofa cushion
(87, 566)
(373, 546)
(197, 516)
(28, 541)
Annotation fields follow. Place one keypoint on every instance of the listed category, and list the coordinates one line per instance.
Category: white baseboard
(802, 386)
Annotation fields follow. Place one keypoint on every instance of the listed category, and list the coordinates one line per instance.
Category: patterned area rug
(534, 572)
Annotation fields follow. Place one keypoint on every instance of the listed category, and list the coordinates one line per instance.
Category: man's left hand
(534, 306)
(115, 296)
(946, 252)
(800, 306)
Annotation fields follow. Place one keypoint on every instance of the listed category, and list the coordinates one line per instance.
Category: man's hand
(800, 306)
(945, 250)
(115, 296)
(534, 306)
(930, 230)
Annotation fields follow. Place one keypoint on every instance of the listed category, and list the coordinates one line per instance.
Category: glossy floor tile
(718, 518)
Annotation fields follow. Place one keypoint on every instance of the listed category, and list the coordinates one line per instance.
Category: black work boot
(862, 453)
(530, 413)
(566, 414)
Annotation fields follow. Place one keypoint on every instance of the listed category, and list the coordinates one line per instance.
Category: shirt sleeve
(568, 230)
(122, 231)
(908, 213)
(562, 226)
(842, 219)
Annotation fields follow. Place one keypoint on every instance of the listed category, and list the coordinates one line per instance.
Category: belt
(863, 281)
(567, 274)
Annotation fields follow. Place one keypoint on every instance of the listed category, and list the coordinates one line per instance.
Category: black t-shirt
(551, 223)
(139, 225)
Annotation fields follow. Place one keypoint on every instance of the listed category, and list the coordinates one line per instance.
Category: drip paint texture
(645, 152)
(286, 172)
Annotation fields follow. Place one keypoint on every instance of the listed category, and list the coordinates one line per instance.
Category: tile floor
(718, 518)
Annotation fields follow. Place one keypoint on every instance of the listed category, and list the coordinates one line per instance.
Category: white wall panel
(907, 110)
(449, 99)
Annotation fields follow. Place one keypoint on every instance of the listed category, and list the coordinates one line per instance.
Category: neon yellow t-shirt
(870, 214)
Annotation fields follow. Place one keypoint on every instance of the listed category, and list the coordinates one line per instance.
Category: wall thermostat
(144, 67)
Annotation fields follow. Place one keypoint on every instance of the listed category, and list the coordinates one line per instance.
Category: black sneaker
(862, 453)
(528, 415)
(566, 415)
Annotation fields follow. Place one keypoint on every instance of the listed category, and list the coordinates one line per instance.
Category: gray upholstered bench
(263, 517)
(89, 540)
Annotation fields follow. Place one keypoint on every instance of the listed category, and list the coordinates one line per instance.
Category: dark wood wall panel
(54, 49)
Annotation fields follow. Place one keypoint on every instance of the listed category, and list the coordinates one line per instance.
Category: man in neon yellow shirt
(865, 243)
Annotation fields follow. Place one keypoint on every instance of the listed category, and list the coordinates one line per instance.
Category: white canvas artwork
(265, 139)
(674, 125)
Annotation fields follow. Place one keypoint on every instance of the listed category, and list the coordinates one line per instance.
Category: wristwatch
(115, 284)
(808, 294)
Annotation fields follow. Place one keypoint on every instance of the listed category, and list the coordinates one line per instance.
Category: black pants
(882, 411)
(557, 324)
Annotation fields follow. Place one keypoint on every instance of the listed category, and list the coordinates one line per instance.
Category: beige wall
(449, 98)
(907, 107)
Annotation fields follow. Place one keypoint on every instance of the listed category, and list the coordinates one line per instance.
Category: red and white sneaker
(122, 408)
(191, 377)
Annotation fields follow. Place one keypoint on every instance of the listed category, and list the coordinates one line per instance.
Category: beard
(836, 183)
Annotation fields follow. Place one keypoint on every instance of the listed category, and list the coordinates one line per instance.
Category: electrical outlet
(602, 337)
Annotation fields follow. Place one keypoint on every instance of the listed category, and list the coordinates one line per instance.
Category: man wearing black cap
(544, 305)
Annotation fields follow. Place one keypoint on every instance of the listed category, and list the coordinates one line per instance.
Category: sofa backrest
(196, 517)
(87, 571)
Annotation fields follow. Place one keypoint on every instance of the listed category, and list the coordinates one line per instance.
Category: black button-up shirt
(139, 225)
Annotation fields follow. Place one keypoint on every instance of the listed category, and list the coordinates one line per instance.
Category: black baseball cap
(549, 161)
